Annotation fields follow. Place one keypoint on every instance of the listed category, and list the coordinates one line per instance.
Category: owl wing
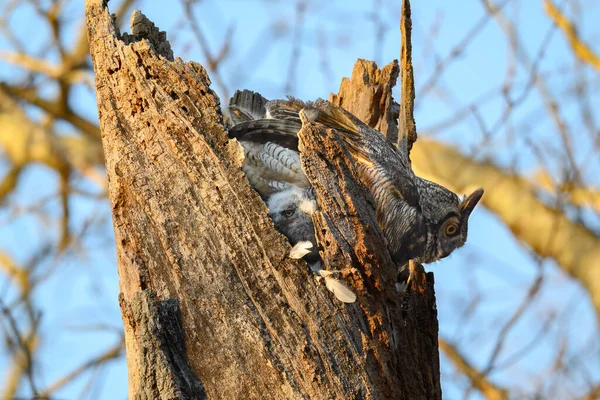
(381, 165)
(282, 132)
(246, 105)
(286, 109)
(272, 162)
(271, 167)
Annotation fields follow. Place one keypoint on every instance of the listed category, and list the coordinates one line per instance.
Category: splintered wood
(211, 305)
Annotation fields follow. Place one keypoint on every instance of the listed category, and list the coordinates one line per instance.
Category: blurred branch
(518, 313)
(24, 346)
(111, 353)
(57, 108)
(581, 50)
(13, 271)
(300, 11)
(24, 141)
(479, 381)
(9, 181)
(594, 394)
(64, 192)
(380, 29)
(577, 195)
(33, 64)
(212, 62)
(506, 328)
(522, 352)
(457, 51)
(18, 368)
(550, 102)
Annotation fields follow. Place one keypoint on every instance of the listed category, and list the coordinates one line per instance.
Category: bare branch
(578, 195)
(58, 108)
(580, 49)
(478, 380)
(110, 354)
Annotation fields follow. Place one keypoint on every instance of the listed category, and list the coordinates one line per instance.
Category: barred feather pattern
(275, 165)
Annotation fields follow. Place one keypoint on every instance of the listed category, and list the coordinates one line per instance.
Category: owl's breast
(405, 229)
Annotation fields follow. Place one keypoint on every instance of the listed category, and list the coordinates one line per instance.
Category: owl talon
(401, 287)
(326, 273)
(335, 286)
(340, 290)
(403, 278)
(300, 249)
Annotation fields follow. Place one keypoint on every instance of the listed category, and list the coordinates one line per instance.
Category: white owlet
(272, 166)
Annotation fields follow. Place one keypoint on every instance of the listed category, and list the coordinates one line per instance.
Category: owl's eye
(451, 229)
(287, 213)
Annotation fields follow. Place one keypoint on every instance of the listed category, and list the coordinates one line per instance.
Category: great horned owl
(421, 220)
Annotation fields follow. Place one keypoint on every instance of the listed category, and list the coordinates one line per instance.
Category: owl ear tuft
(469, 202)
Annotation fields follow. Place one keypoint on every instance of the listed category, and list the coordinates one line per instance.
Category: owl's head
(448, 221)
(291, 211)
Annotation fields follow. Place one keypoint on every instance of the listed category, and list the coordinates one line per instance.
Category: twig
(477, 379)
(580, 49)
(457, 51)
(296, 47)
(213, 63)
(111, 353)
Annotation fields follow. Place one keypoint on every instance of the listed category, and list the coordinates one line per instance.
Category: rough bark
(163, 368)
(368, 95)
(211, 305)
(407, 135)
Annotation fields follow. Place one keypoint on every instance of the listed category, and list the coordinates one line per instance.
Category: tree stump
(211, 305)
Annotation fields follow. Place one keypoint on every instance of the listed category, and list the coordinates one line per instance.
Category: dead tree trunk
(212, 308)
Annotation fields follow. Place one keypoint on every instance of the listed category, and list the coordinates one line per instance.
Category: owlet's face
(291, 211)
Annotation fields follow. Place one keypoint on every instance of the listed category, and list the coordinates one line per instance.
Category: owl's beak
(469, 203)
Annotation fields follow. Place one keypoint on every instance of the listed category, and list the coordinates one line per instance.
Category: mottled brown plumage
(421, 220)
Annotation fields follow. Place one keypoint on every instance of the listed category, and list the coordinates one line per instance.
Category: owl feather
(421, 220)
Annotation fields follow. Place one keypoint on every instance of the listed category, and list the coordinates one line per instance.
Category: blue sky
(493, 265)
